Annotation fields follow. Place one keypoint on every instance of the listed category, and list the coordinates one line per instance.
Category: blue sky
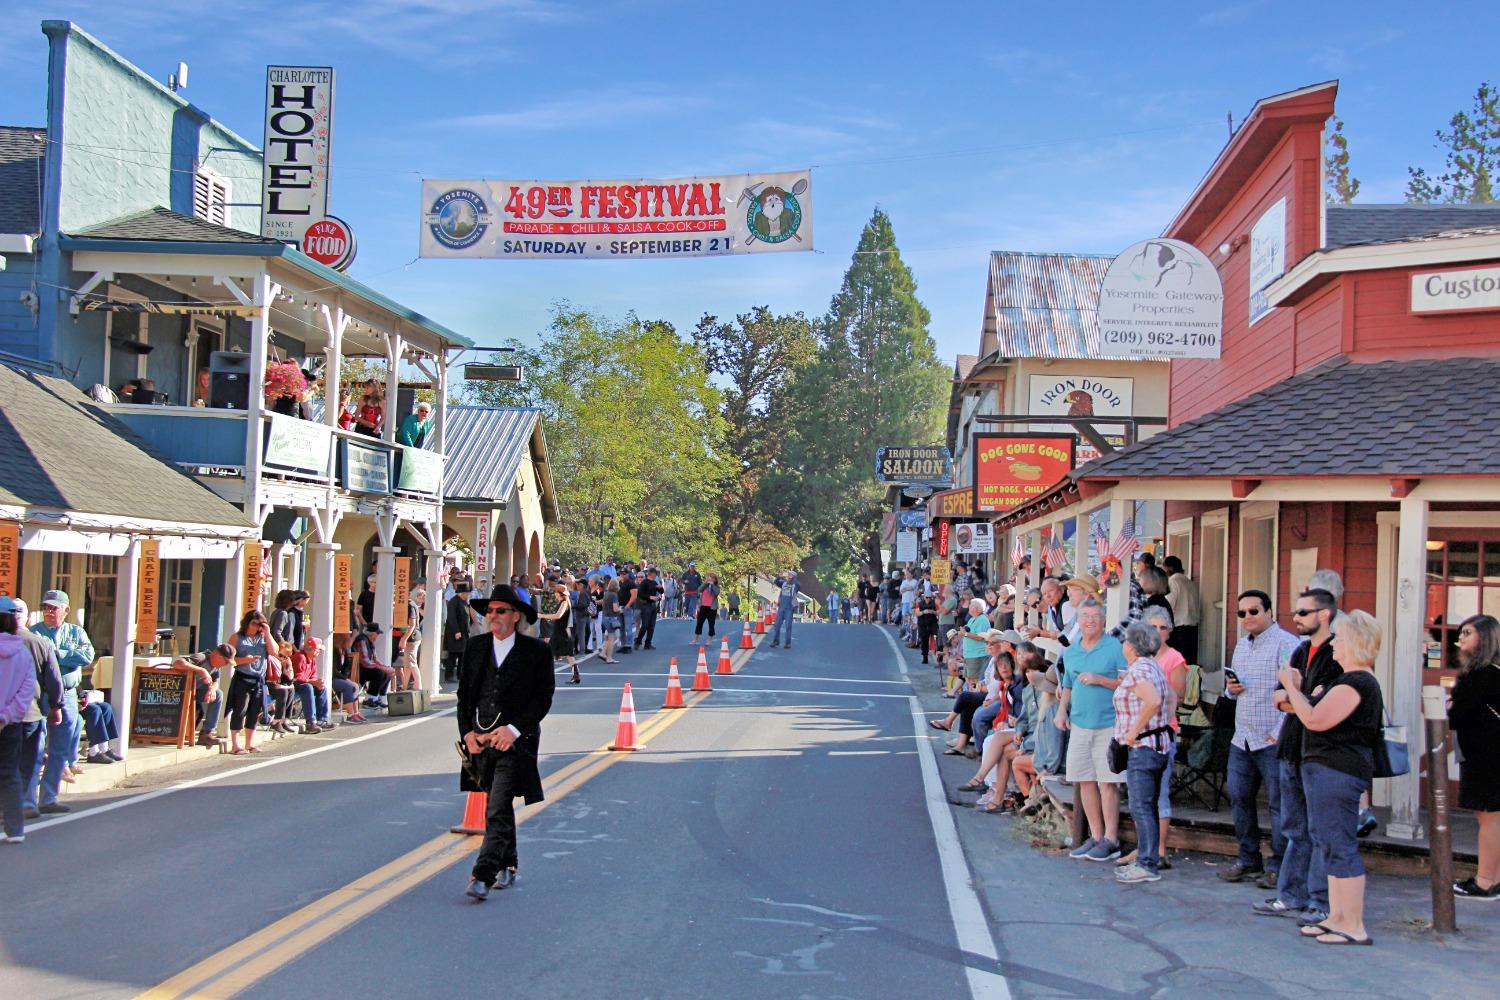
(977, 126)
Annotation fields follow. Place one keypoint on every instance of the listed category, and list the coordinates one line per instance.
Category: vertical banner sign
(251, 581)
(403, 593)
(343, 588)
(148, 596)
(944, 534)
(617, 219)
(1011, 470)
(482, 549)
(1267, 256)
(10, 555)
(299, 137)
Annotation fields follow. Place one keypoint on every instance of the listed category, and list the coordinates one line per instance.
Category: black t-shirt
(627, 587)
(893, 588)
(646, 592)
(366, 602)
(1321, 672)
(1349, 746)
(870, 591)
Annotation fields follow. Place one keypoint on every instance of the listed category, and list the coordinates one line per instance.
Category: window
(1258, 548)
(99, 602)
(211, 198)
(1463, 579)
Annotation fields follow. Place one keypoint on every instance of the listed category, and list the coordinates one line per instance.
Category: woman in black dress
(554, 619)
(1474, 714)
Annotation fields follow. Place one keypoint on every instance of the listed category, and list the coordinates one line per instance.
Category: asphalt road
(771, 841)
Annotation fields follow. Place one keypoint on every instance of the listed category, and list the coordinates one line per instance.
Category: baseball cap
(57, 597)
(9, 605)
(1010, 635)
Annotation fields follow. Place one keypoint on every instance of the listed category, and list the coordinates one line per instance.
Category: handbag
(1392, 756)
(1119, 753)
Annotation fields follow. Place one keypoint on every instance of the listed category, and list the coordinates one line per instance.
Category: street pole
(1440, 833)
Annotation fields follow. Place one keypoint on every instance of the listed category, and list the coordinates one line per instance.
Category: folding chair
(1202, 765)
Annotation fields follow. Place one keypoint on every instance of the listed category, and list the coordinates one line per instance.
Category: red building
(1350, 423)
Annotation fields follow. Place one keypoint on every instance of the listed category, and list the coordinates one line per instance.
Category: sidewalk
(1066, 928)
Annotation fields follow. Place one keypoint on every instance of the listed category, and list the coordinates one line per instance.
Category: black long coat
(527, 685)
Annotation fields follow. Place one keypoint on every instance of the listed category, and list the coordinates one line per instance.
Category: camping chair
(1202, 765)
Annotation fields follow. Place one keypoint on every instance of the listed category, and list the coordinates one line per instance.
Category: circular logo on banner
(330, 242)
(458, 219)
(774, 215)
(918, 492)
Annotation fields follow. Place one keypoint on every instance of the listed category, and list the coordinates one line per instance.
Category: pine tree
(1342, 186)
(1472, 152)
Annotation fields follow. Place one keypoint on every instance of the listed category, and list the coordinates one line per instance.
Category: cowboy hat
(1087, 584)
(503, 592)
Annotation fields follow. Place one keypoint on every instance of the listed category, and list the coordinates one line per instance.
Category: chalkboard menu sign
(162, 707)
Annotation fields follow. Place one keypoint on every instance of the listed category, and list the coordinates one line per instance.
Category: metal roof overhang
(268, 251)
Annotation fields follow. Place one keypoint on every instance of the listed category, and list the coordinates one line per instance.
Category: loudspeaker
(229, 380)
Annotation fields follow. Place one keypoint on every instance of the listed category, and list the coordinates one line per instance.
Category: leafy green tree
(755, 356)
(634, 433)
(1341, 185)
(1472, 156)
(876, 380)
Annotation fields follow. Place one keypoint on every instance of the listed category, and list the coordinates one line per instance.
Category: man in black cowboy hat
(456, 617)
(505, 689)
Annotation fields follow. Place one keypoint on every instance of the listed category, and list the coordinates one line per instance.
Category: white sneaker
(18, 839)
(1134, 872)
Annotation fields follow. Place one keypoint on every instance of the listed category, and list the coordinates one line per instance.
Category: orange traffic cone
(625, 731)
(745, 641)
(760, 626)
(474, 809)
(700, 676)
(725, 667)
(674, 688)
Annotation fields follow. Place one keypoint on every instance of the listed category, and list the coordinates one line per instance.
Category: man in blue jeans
(1251, 683)
(786, 608)
(1302, 890)
(74, 652)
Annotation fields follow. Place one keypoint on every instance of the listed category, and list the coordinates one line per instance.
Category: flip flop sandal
(1341, 939)
(1313, 930)
(953, 752)
(972, 786)
(253, 750)
(935, 724)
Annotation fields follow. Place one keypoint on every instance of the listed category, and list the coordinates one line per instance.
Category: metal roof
(22, 152)
(64, 452)
(1044, 305)
(485, 446)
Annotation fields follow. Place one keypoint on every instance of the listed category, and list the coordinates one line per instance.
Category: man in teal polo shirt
(74, 652)
(1091, 667)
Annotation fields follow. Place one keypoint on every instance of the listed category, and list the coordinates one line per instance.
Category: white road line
(580, 660)
(661, 676)
(234, 773)
(634, 688)
(969, 925)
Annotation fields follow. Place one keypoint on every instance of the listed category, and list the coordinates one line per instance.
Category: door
(1213, 581)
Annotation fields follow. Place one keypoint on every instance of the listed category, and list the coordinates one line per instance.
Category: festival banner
(1011, 470)
(636, 219)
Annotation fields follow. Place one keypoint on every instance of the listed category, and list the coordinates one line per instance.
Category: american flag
(1053, 555)
(1125, 541)
(1101, 542)
(1017, 552)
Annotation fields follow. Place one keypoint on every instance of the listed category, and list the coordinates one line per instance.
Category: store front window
(1463, 579)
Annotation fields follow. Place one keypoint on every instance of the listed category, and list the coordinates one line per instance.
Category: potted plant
(285, 386)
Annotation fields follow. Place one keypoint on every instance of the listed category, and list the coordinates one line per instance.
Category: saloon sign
(617, 219)
(1011, 470)
(930, 465)
(299, 138)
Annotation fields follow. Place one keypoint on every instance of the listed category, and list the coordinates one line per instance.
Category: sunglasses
(500, 611)
(1248, 614)
(1304, 612)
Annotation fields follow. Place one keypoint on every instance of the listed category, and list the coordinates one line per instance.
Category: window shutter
(210, 198)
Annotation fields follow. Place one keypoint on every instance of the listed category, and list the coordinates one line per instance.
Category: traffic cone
(674, 688)
(625, 731)
(760, 625)
(745, 641)
(725, 667)
(700, 676)
(473, 821)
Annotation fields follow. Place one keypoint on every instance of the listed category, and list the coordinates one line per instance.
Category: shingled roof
(163, 224)
(64, 452)
(1338, 419)
(1352, 225)
(22, 151)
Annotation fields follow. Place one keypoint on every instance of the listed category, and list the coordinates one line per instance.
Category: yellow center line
(251, 959)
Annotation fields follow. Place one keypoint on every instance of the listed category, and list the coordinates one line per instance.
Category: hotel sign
(299, 138)
(1463, 290)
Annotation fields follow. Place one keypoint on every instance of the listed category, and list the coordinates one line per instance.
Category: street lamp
(485, 372)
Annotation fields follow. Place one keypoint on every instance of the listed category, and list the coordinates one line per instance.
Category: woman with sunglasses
(1474, 714)
(247, 689)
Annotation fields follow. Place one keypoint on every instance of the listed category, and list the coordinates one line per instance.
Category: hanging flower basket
(284, 380)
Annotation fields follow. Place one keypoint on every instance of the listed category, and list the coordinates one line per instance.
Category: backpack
(1190, 711)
